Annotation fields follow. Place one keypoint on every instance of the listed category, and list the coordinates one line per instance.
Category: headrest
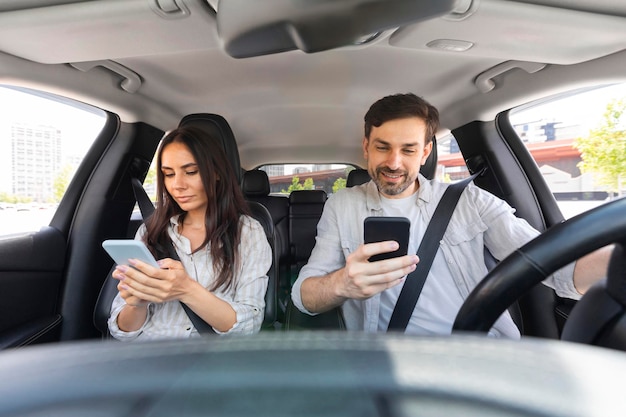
(255, 183)
(218, 127)
(307, 197)
(429, 169)
(357, 177)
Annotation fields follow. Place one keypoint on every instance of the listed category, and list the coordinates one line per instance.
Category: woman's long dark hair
(225, 204)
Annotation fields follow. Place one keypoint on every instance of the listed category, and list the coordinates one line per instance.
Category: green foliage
(61, 181)
(151, 180)
(339, 184)
(150, 176)
(296, 186)
(14, 199)
(603, 152)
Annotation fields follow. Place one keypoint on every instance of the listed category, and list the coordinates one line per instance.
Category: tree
(150, 182)
(14, 199)
(339, 184)
(61, 181)
(296, 186)
(603, 152)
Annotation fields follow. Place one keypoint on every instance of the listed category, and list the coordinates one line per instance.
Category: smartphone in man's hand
(121, 250)
(380, 229)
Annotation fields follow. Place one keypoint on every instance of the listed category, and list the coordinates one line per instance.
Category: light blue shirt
(480, 220)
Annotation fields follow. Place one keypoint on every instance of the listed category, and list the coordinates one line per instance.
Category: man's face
(394, 153)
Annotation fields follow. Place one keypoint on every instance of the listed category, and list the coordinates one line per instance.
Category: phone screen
(379, 229)
(121, 250)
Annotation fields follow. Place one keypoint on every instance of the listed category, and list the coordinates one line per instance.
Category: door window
(43, 139)
(579, 143)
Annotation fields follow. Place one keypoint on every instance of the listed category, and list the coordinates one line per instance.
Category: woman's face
(182, 178)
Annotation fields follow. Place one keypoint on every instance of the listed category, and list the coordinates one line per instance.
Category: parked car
(533, 91)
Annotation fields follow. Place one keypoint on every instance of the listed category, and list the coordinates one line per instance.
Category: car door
(534, 163)
(52, 265)
(493, 145)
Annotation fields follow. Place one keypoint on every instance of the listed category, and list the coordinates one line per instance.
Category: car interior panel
(530, 93)
(31, 282)
(256, 188)
(105, 209)
(538, 306)
(357, 176)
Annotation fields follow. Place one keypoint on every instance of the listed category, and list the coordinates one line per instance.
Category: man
(397, 141)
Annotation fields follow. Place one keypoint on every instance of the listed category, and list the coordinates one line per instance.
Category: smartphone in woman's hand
(121, 250)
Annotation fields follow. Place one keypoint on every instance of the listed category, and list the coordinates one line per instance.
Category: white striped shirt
(246, 296)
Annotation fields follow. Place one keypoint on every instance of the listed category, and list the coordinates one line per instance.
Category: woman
(224, 252)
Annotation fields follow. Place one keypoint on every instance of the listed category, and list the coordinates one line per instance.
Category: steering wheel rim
(538, 259)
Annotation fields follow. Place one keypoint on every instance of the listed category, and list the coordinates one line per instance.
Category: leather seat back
(305, 210)
(256, 187)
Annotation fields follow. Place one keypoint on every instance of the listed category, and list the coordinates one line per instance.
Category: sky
(79, 127)
(583, 109)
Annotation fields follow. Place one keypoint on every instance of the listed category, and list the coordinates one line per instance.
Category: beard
(388, 188)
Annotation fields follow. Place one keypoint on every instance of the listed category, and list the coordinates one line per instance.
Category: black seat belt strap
(143, 201)
(147, 208)
(427, 250)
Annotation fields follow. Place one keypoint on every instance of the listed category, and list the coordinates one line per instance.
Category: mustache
(386, 170)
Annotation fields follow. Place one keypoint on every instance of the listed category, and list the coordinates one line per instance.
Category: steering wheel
(539, 258)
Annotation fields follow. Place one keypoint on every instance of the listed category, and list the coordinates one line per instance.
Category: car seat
(256, 187)
(217, 126)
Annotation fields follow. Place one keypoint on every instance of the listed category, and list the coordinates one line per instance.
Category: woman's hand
(142, 283)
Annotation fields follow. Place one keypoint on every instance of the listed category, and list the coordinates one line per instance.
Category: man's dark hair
(401, 106)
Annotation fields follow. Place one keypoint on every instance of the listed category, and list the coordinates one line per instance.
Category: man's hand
(359, 279)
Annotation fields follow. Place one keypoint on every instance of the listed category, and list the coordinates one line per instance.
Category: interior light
(450, 45)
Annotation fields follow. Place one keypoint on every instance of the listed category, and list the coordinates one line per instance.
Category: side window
(43, 139)
(579, 143)
(450, 162)
(285, 178)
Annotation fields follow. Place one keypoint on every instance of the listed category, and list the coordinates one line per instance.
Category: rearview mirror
(254, 28)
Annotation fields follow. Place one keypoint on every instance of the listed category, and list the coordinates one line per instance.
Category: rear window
(285, 178)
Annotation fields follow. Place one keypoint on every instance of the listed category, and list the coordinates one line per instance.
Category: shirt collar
(174, 219)
(424, 193)
(174, 223)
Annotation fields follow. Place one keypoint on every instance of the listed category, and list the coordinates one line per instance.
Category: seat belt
(414, 282)
(147, 208)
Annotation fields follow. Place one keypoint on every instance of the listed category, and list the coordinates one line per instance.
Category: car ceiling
(157, 60)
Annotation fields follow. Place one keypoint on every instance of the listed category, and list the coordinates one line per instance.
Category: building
(36, 158)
